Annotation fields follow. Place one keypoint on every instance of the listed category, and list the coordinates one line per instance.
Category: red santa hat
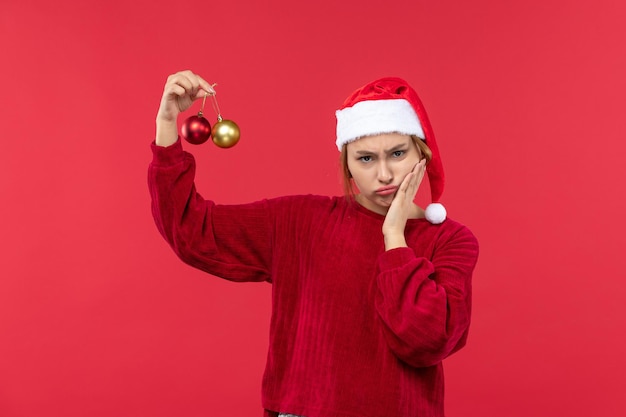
(390, 105)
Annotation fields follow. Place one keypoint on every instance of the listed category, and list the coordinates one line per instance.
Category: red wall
(99, 318)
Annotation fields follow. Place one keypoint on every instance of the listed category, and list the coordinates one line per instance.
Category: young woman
(369, 291)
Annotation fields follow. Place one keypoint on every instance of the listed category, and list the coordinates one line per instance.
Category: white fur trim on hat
(375, 117)
(436, 213)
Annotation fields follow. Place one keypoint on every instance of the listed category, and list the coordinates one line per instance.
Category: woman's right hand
(181, 89)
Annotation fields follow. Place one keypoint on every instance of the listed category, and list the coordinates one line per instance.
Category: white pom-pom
(436, 213)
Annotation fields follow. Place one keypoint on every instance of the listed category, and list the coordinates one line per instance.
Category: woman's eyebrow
(396, 148)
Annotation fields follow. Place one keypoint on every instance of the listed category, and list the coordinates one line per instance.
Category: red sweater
(356, 331)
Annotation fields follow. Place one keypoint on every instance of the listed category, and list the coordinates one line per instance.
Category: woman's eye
(365, 158)
(398, 154)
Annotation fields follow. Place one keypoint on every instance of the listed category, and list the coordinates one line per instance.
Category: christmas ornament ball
(225, 133)
(196, 129)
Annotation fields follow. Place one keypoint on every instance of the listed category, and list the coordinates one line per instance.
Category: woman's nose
(384, 173)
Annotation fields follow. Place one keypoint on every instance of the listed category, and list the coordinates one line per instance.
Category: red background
(99, 318)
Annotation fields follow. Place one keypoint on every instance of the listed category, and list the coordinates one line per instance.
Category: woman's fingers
(412, 181)
(193, 85)
(181, 89)
(205, 86)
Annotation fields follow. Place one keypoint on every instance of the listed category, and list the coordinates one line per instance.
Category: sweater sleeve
(425, 305)
(232, 242)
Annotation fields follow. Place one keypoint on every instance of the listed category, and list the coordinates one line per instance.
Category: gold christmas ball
(225, 133)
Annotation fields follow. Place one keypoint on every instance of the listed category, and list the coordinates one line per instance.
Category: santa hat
(390, 105)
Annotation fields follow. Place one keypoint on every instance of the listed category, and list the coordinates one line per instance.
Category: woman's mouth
(386, 190)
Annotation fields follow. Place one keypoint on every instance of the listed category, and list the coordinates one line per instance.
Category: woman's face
(378, 164)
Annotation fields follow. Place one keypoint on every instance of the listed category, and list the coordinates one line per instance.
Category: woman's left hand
(401, 207)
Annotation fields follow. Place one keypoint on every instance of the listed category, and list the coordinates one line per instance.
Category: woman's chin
(377, 204)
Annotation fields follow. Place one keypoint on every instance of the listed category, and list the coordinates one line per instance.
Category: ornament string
(204, 101)
(202, 108)
(216, 107)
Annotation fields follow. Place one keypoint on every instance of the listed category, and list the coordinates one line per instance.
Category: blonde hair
(348, 185)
